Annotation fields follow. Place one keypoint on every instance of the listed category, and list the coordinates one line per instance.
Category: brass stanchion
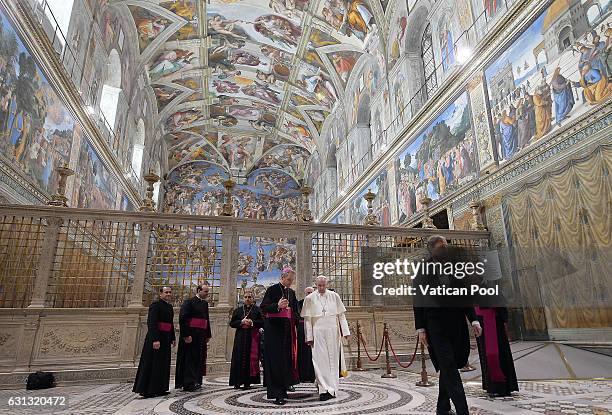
(424, 379)
(359, 366)
(386, 334)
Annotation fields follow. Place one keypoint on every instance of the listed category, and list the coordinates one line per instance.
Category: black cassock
(153, 376)
(305, 367)
(280, 351)
(245, 354)
(498, 374)
(194, 322)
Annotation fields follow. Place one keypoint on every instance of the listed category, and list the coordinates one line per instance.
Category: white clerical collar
(282, 285)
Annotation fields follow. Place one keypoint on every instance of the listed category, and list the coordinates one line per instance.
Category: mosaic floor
(362, 393)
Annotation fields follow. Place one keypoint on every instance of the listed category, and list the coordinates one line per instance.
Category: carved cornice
(225, 224)
(33, 35)
(511, 24)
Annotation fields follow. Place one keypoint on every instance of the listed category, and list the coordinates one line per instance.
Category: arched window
(138, 151)
(111, 89)
(429, 64)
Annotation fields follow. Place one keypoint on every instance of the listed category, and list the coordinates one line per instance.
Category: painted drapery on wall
(560, 228)
(554, 71)
(36, 129)
(442, 158)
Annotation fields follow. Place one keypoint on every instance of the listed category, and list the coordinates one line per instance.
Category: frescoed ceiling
(252, 87)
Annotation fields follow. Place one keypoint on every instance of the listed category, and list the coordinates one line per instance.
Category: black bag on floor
(40, 380)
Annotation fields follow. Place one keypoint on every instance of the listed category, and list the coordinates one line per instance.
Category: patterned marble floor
(365, 392)
(362, 393)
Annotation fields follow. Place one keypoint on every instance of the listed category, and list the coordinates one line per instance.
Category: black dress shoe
(325, 396)
(291, 389)
(280, 401)
(246, 387)
(449, 412)
(147, 395)
(191, 388)
(163, 393)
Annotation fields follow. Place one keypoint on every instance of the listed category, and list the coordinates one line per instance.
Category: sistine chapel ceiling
(249, 84)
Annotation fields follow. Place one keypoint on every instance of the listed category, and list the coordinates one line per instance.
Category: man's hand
(477, 330)
(310, 343)
(173, 343)
(283, 303)
(156, 345)
(187, 339)
(423, 338)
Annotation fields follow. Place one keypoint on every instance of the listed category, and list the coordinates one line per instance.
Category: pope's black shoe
(325, 396)
(280, 401)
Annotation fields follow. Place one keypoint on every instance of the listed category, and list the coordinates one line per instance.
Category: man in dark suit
(441, 326)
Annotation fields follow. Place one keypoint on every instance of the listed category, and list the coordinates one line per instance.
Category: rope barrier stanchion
(365, 349)
(359, 365)
(424, 379)
(389, 374)
(416, 347)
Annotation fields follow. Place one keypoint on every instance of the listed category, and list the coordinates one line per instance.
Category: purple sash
(254, 357)
(491, 346)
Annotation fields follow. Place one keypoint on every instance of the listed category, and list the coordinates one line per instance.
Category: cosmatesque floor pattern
(362, 393)
(537, 364)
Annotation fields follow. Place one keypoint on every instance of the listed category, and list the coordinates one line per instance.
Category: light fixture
(464, 54)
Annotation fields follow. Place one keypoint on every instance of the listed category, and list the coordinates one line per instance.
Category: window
(58, 12)
(429, 64)
(111, 89)
(138, 150)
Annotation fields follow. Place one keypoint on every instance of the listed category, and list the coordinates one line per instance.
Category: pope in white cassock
(325, 324)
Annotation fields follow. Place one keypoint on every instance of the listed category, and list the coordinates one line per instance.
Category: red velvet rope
(366, 349)
(395, 356)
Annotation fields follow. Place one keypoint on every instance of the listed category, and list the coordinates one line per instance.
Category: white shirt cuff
(420, 331)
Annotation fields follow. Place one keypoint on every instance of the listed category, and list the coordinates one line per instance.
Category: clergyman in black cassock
(195, 333)
(444, 330)
(279, 306)
(497, 366)
(247, 320)
(153, 375)
(305, 367)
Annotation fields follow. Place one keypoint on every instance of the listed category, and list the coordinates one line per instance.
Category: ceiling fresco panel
(247, 85)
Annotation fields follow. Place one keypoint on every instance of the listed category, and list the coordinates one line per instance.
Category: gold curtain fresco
(560, 231)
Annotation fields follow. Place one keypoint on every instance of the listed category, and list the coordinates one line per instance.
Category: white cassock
(325, 324)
